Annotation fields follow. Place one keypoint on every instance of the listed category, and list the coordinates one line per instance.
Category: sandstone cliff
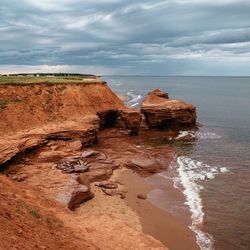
(29, 106)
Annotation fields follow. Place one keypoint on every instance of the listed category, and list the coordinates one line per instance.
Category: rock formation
(84, 129)
(130, 119)
(37, 105)
(162, 112)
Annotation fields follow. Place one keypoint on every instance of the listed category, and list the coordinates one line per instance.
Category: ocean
(213, 170)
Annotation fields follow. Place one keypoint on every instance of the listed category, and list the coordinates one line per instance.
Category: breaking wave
(134, 100)
(198, 135)
(191, 174)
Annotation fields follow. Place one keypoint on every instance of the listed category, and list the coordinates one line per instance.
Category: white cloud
(119, 35)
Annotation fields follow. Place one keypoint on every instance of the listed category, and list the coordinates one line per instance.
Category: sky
(126, 37)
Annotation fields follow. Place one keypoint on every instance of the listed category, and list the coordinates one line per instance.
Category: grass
(26, 80)
(4, 103)
(35, 213)
(53, 222)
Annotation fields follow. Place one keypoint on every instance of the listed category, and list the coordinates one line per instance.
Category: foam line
(191, 175)
(199, 135)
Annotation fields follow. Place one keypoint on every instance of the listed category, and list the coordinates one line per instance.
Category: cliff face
(28, 106)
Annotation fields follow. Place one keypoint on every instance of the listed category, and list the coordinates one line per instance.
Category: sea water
(213, 170)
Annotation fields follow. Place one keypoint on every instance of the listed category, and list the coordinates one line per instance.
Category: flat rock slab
(52, 155)
(95, 175)
(144, 164)
(107, 184)
(88, 153)
(112, 192)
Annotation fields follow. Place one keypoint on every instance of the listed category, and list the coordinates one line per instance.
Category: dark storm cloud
(151, 37)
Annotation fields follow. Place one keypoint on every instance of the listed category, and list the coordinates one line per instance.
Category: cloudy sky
(150, 37)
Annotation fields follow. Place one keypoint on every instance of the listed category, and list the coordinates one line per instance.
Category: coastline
(109, 149)
(139, 214)
(160, 224)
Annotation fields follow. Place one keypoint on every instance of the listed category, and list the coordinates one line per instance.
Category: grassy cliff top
(27, 80)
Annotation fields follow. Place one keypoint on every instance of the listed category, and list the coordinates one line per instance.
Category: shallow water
(213, 171)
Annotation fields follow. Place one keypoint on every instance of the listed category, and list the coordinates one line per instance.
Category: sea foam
(191, 174)
(199, 135)
(133, 99)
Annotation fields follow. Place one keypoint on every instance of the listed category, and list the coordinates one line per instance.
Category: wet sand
(155, 221)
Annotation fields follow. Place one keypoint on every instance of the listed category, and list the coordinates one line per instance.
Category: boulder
(75, 145)
(142, 196)
(79, 195)
(145, 165)
(162, 112)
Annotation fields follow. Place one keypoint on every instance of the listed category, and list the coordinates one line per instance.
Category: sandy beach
(141, 214)
(155, 221)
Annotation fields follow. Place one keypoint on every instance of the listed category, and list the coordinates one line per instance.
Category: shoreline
(160, 224)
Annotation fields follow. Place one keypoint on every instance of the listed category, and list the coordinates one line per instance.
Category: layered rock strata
(162, 112)
(84, 129)
(130, 119)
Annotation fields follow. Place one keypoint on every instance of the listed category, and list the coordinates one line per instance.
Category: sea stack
(162, 112)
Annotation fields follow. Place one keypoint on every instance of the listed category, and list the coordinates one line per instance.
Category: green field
(23, 80)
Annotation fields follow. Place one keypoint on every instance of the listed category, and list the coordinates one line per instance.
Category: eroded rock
(93, 166)
(95, 175)
(107, 184)
(130, 119)
(84, 129)
(161, 112)
(75, 164)
(112, 192)
(145, 165)
(75, 145)
(88, 153)
(52, 155)
(79, 195)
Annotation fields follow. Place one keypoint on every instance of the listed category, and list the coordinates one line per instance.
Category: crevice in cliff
(19, 157)
(108, 118)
